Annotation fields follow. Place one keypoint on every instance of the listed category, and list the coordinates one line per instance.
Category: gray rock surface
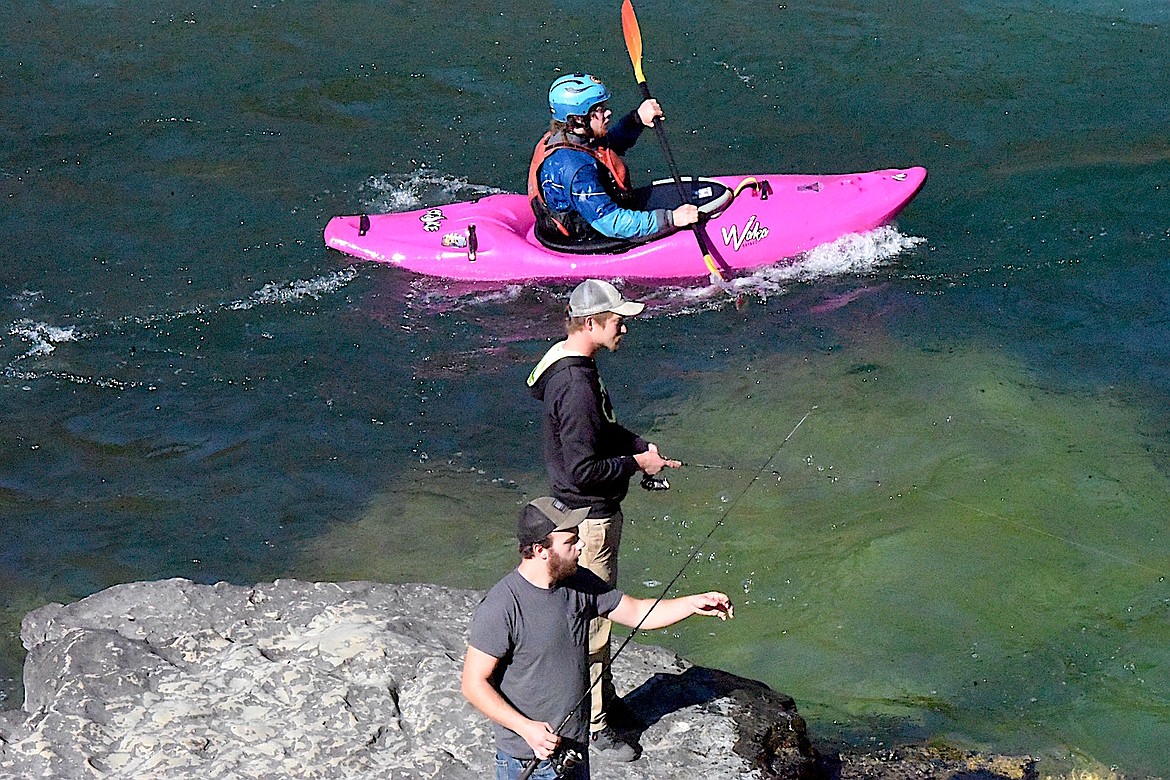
(358, 680)
(320, 680)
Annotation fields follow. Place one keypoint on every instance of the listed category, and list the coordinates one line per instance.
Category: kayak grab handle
(472, 244)
(761, 189)
(363, 224)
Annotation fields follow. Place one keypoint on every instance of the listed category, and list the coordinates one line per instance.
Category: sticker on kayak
(751, 233)
(455, 240)
(432, 219)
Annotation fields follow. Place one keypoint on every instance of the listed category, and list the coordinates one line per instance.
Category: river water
(945, 513)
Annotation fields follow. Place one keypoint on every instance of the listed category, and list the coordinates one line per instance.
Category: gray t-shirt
(541, 639)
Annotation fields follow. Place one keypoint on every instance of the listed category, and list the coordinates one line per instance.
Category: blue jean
(508, 768)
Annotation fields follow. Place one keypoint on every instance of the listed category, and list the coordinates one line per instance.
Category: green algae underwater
(963, 540)
(943, 548)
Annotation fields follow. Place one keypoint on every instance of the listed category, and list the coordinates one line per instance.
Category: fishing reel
(564, 759)
(654, 483)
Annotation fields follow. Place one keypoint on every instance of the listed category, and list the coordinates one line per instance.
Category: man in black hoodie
(590, 460)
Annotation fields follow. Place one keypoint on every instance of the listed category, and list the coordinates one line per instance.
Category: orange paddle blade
(633, 37)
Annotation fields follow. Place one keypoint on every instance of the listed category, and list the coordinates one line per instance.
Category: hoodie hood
(557, 359)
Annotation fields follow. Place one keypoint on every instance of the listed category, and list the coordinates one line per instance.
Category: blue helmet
(574, 95)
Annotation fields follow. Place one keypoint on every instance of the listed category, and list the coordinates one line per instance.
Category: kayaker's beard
(587, 134)
(588, 129)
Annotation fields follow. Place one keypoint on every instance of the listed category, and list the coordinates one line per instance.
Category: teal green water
(942, 549)
(963, 541)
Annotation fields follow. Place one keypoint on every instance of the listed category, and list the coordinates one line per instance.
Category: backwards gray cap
(593, 296)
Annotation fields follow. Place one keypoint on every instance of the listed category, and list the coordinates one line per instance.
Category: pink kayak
(751, 221)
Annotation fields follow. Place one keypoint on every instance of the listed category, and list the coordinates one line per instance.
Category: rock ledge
(356, 680)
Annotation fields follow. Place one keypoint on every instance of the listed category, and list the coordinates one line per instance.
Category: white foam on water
(25, 299)
(44, 337)
(745, 77)
(288, 292)
(424, 187)
(433, 297)
(855, 254)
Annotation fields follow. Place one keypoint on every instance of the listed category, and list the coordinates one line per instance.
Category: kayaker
(578, 183)
(524, 671)
(590, 459)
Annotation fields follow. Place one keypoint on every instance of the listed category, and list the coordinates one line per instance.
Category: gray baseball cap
(593, 296)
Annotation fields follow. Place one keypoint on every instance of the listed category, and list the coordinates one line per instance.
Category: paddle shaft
(660, 131)
(633, 37)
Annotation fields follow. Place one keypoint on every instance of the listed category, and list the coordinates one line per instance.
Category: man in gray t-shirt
(527, 661)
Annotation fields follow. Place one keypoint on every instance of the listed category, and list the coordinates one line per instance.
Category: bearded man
(527, 658)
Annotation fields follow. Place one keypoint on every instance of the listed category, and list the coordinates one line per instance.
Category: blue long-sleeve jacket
(571, 180)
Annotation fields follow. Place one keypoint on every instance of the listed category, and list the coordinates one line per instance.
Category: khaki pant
(600, 556)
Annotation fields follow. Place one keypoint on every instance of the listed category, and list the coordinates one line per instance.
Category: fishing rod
(571, 757)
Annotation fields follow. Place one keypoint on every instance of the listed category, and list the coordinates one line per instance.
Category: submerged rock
(351, 680)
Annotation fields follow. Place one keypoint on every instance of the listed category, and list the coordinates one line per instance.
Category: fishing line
(1042, 532)
(532, 764)
(718, 523)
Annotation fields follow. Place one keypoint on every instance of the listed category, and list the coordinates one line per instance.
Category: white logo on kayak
(432, 219)
(752, 232)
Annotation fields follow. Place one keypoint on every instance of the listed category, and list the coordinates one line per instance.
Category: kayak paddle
(633, 36)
